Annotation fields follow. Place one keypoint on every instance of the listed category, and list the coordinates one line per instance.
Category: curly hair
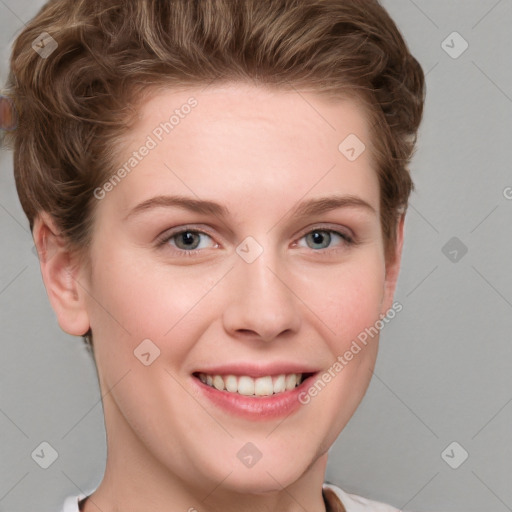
(75, 103)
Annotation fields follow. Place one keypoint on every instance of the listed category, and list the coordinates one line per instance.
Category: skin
(257, 152)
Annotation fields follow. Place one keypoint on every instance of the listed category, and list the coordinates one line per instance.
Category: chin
(276, 470)
(263, 481)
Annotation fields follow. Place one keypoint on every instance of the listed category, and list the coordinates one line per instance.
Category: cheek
(348, 298)
(132, 300)
(351, 310)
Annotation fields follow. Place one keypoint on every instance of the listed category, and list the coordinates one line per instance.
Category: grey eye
(318, 239)
(187, 240)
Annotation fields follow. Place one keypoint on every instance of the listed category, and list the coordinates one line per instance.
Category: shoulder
(353, 503)
(71, 503)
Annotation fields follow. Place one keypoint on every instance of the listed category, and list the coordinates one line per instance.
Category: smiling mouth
(247, 386)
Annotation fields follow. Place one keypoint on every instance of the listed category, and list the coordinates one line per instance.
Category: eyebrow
(186, 203)
(306, 208)
(325, 204)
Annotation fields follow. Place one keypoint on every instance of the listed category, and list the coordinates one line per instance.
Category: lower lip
(255, 407)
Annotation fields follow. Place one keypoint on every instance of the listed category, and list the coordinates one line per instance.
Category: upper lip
(255, 370)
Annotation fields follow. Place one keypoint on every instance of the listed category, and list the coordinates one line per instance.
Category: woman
(219, 211)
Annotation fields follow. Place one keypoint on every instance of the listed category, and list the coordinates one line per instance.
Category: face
(242, 250)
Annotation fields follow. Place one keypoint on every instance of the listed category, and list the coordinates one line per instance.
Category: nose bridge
(260, 300)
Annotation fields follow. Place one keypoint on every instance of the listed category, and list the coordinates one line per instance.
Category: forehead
(239, 139)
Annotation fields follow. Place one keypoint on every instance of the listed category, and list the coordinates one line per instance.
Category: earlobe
(393, 267)
(60, 275)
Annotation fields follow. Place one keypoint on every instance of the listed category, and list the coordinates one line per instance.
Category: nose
(261, 302)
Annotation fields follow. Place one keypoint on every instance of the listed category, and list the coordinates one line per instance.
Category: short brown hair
(75, 104)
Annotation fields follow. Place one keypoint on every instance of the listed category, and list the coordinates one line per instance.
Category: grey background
(444, 368)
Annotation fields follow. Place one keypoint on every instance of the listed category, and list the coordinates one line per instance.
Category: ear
(60, 276)
(393, 268)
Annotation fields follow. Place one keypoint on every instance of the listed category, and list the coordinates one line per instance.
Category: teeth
(231, 383)
(218, 382)
(291, 381)
(263, 386)
(280, 384)
(247, 386)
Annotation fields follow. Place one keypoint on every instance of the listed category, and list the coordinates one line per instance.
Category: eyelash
(164, 240)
